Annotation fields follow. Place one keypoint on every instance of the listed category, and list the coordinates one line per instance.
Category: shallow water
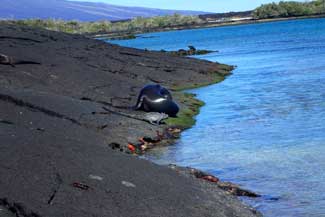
(264, 126)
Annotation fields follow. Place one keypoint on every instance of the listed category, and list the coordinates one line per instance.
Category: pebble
(128, 184)
(99, 178)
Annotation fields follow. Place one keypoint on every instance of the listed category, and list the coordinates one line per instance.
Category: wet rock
(190, 52)
(236, 190)
(226, 186)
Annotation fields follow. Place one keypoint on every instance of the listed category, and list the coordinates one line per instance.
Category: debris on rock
(174, 130)
(80, 186)
(128, 184)
(117, 146)
(210, 178)
(94, 177)
(202, 175)
(131, 147)
(226, 186)
(236, 190)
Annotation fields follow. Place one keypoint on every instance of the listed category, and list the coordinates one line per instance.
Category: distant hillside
(72, 10)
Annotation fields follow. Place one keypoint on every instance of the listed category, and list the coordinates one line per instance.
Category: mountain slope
(73, 10)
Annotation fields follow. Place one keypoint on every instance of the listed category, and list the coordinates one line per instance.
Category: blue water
(264, 126)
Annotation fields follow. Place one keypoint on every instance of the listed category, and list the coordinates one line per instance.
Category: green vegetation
(138, 24)
(216, 79)
(217, 76)
(191, 105)
(190, 108)
(289, 9)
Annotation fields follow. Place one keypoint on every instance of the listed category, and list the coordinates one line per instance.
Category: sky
(196, 5)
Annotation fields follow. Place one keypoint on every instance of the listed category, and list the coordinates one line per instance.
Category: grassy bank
(190, 108)
(190, 105)
(216, 77)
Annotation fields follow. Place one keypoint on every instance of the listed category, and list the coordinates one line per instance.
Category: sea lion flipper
(145, 105)
(27, 62)
(139, 103)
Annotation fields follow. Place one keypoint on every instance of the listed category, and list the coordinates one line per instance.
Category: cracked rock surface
(55, 158)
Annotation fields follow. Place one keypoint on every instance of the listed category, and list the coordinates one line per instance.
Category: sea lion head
(4, 59)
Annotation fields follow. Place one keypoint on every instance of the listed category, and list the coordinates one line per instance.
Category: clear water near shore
(264, 126)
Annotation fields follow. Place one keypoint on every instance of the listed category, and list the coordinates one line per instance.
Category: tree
(289, 9)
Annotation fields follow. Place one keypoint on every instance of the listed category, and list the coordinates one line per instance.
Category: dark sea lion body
(7, 60)
(155, 98)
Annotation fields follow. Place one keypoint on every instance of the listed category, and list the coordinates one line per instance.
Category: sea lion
(7, 60)
(155, 98)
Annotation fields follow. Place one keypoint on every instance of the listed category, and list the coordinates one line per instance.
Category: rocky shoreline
(191, 51)
(62, 151)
